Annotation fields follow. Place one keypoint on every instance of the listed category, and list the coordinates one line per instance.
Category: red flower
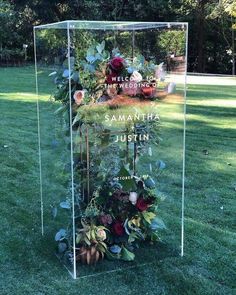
(117, 64)
(142, 204)
(111, 78)
(118, 228)
(148, 91)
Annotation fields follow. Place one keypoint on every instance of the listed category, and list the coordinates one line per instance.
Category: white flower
(136, 77)
(133, 196)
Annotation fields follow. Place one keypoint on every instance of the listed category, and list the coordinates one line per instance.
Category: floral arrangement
(101, 76)
(117, 214)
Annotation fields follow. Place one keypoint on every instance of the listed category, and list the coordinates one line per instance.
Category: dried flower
(106, 219)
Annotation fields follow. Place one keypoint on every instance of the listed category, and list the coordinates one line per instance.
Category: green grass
(27, 263)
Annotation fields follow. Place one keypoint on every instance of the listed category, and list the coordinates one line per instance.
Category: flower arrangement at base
(90, 243)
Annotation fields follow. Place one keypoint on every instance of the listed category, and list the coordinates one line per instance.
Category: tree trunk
(201, 36)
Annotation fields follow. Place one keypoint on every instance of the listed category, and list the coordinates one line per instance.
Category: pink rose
(79, 96)
(130, 88)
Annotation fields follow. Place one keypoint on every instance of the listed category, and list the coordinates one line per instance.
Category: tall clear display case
(111, 126)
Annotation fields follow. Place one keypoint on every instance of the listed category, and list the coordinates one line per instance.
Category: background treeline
(211, 34)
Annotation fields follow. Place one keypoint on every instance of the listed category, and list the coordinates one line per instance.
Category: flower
(133, 196)
(148, 91)
(111, 78)
(130, 88)
(121, 196)
(117, 64)
(101, 234)
(118, 228)
(142, 204)
(106, 219)
(136, 77)
(79, 96)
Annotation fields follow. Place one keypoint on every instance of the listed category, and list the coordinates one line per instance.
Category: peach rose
(101, 234)
(79, 96)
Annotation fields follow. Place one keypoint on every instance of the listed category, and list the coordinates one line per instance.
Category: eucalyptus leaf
(52, 74)
(161, 164)
(90, 58)
(130, 70)
(65, 205)
(54, 212)
(157, 223)
(149, 183)
(60, 235)
(91, 51)
(62, 247)
(66, 73)
(75, 77)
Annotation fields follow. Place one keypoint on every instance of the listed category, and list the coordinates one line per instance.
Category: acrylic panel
(111, 118)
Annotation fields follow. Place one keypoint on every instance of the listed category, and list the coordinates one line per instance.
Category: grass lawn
(27, 263)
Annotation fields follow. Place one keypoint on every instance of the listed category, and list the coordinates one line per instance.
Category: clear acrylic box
(111, 122)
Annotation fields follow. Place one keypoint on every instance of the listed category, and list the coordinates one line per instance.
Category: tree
(226, 12)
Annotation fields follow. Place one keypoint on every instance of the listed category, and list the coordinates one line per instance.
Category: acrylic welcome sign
(111, 120)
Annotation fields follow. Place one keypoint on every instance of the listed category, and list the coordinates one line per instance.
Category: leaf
(111, 256)
(100, 47)
(128, 184)
(161, 165)
(60, 235)
(66, 74)
(54, 212)
(89, 67)
(115, 52)
(75, 77)
(62, 247)
(90, 58)
(126, 255)
(148, 216)
(157, 223)
(86, 240)
(65, 205)
(105, 137)
(130, 70)
(132, 237)
(149, 183)
(52, 74)
(91, 51)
